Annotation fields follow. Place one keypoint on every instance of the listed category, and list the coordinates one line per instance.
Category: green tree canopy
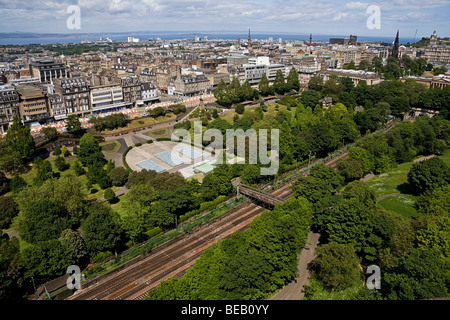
(337, 265)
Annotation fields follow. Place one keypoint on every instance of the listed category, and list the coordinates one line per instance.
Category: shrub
(153, 232)
(138, 144)
(57, 151)
(78, 168)
(102, 256)
(61, 164)
(149, 141)
(239, 108)
(109, 195)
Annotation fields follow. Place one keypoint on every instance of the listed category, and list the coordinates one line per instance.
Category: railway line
(176, 256)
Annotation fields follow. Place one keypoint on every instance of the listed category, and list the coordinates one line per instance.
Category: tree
(50, 133)
(90, 151)
(97, 175)
(4, 183)
(263, 86)
(74, 243)
(20, 139)
(8, 210)
(73, 125)
(66, 192)
(315, 83)
(320, 138)
(429, 174)
(44, 220)
(349, 222)
(45, 260)
(435, 201)
(78, 168)
(157, 112)
(239, 108)
(61, 164)
(251, 174)
(310, 98)
(109, 195)
(279, 83)
(101, 230)
(119, 176)
(418, 276)
(292, 81)
(364, 158)
(16, 184)
(44, 171)
(159, 216)
(11, 271)
(337, 265)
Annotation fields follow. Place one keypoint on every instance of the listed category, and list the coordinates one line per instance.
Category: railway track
(176, 256)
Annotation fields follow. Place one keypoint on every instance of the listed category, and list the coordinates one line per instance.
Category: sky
(330, 17)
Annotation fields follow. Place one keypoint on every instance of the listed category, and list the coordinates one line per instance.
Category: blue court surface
(190, 153)
(150, 165)
(169, 158)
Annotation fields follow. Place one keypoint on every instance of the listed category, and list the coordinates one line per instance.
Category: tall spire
(250, 48)
(395, 50)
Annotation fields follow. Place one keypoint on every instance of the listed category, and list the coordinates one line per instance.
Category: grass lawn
(159, 132)
(394, 181)
(94, 193)
(403, 204)
(446, 157)
(110, 146)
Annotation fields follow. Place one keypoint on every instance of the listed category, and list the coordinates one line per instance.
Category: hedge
(124, 159)
(203, 207)
(153, 232)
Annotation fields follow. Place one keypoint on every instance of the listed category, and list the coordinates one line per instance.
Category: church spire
(395, 50)
(250, 48)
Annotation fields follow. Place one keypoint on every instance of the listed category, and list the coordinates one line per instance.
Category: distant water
(73, 38)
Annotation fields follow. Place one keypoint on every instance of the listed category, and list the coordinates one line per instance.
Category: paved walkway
(295, 289)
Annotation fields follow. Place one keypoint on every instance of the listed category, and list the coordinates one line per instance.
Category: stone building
(9, 106)
(75, 95)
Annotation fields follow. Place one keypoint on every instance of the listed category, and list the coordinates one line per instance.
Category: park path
(388, 196)
(295, 289)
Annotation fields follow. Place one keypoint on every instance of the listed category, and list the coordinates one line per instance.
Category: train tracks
(176, 256)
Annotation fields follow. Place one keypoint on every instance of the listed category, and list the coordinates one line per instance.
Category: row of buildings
(44, 103)
(104, 81)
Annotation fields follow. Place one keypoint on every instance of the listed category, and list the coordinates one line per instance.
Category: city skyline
(321, 17)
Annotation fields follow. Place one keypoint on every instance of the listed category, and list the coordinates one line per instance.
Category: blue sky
(295, 16)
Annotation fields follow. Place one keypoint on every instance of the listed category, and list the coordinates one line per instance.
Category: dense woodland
(58, 225)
